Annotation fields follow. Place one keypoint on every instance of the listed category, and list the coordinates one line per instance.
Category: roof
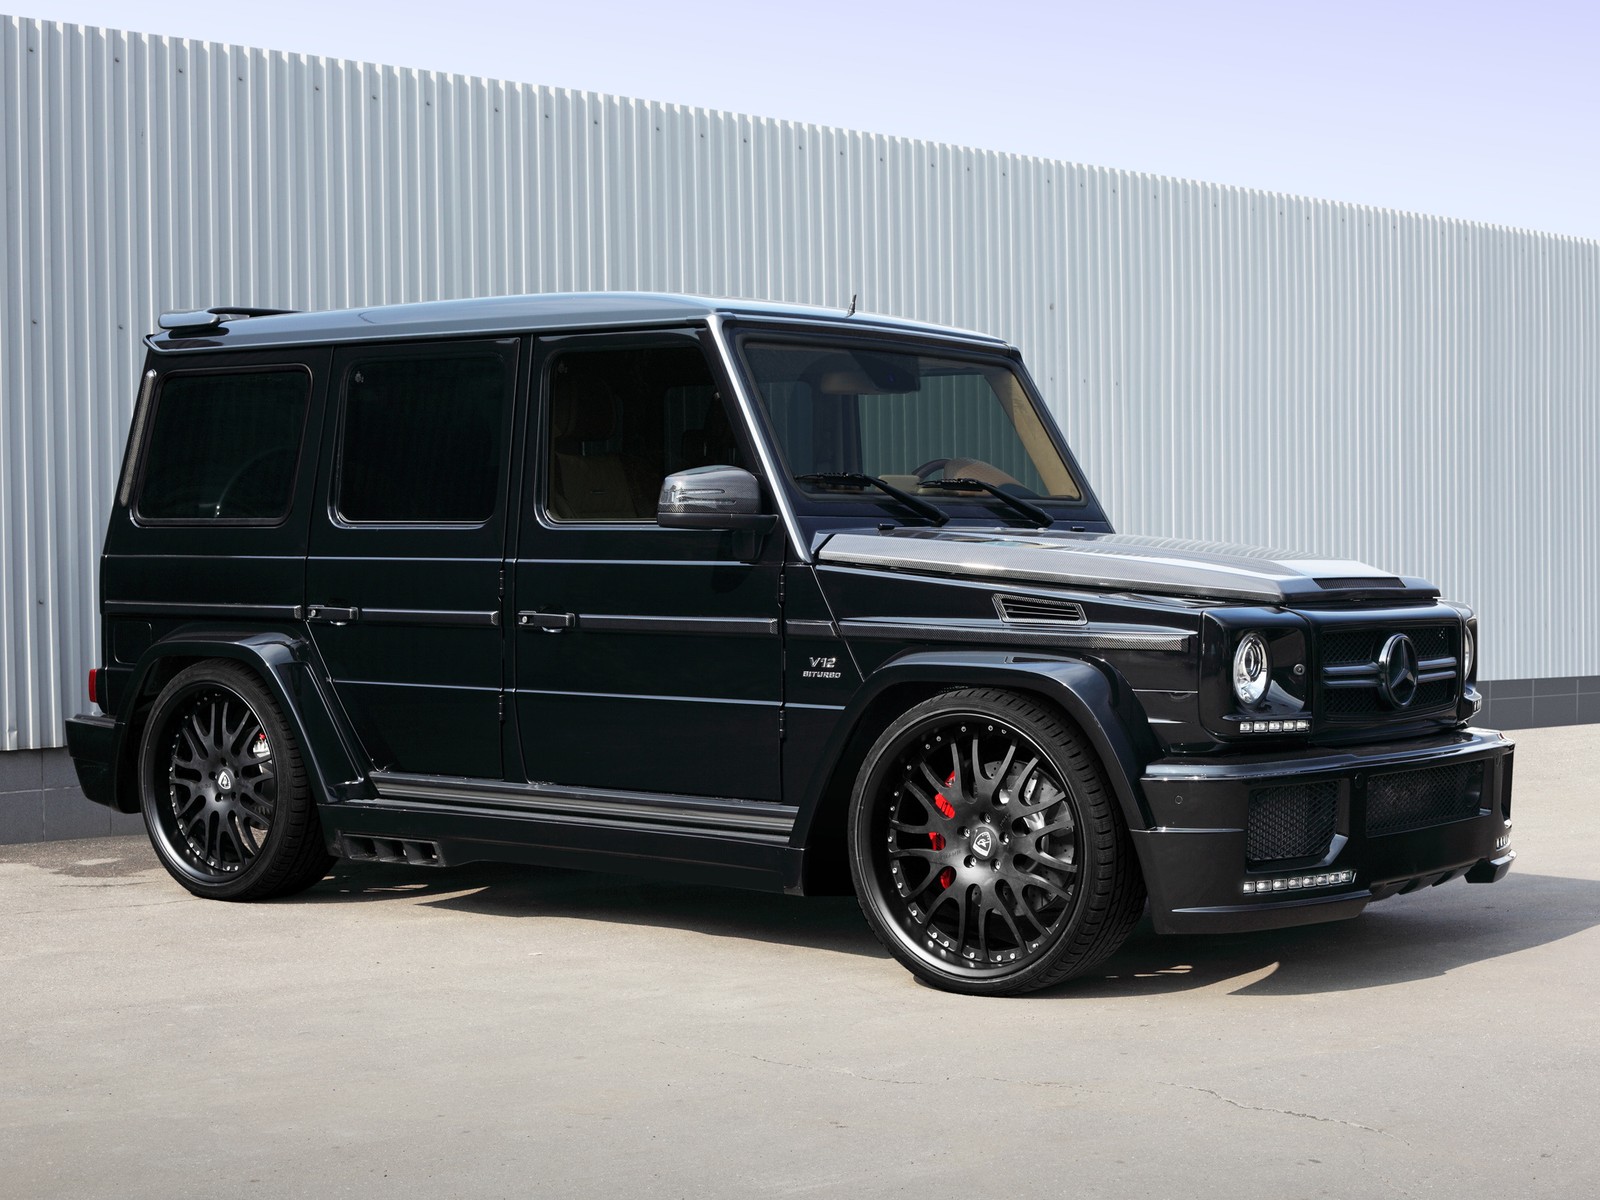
(511, 314)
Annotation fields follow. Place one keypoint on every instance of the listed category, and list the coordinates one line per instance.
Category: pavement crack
(33, 912)
(1288, 1112)
(794, 1066)
(849, 1074)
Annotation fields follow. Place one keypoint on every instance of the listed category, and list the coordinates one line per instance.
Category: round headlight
(1469, 650)
(1252, 669)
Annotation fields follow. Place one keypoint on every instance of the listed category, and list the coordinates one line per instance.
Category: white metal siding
(1410, 390)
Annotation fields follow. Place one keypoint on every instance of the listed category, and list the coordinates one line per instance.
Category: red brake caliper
(948, 875)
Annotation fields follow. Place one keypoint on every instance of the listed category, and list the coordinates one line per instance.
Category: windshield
(911, 420)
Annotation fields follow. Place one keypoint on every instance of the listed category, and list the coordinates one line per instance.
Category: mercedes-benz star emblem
(1397, 671)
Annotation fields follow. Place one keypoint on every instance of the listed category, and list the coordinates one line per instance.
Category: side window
(621, 420)
(421, 438)
(224, 445)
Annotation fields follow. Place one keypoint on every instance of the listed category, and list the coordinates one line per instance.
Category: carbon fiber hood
(1124, 562)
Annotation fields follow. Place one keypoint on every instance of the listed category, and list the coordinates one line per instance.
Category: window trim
(505, 350)
(551, 350)
(151, 414)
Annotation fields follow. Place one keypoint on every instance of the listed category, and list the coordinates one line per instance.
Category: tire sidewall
(154, 757)
(879, 761)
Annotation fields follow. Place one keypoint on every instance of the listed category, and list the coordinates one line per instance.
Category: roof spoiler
(206, 318)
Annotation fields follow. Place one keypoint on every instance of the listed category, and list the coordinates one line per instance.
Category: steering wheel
(965, 468)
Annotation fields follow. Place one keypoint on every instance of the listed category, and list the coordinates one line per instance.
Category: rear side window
(422, 438)
(224, 445)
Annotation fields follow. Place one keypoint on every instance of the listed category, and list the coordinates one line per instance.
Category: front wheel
(986, 847)
(224, 789)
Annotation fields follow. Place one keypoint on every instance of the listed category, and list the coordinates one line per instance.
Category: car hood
(1124, 562)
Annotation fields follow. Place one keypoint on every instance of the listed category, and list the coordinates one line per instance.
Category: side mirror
(723, 498)
(713, 498)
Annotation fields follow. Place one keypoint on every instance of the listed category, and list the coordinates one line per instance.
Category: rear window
(422, 438)
(223, 446)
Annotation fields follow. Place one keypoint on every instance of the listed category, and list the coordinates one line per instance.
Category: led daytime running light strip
(1295, 883)
(1293, 725)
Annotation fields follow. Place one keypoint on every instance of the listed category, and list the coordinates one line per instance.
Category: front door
(403, 579)
(646, 659)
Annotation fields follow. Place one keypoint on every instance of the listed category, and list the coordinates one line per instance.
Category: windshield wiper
(855, 479)
(1032, 511)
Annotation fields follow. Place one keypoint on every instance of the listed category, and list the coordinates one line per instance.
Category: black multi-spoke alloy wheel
(224, 788)
(987, 849)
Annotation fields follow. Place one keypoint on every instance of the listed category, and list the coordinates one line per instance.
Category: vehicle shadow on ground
(1395, 941)
(495, 889)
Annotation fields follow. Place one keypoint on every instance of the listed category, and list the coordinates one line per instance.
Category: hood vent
(1360, 583)
(1031, 610)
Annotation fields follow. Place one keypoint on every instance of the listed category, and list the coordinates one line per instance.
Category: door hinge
(782, 724)
(501, 707)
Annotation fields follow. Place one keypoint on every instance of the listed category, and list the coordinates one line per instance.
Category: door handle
(549, 622)
(332, 616)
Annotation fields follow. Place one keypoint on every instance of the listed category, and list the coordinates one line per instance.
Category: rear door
(404, 573)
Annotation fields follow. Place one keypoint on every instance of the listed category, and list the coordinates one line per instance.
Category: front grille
(1351, 646)
(1407, 800)
(1350, 670)
(1366, 702)
(1293, 821)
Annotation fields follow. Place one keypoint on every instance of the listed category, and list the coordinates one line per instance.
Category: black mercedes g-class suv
(749, 595)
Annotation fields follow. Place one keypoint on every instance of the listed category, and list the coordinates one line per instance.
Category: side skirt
(688, 839)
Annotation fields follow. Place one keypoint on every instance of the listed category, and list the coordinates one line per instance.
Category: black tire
(224, 791)
(986, 847)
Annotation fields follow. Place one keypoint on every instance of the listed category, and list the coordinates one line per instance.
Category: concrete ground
(485, 1031)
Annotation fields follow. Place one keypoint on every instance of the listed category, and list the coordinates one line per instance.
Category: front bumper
(1209, 816)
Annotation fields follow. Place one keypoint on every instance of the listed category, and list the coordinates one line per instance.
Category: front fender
(289, 668)
(1091, 693)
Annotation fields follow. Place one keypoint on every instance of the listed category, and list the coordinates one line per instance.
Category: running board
(757, 821)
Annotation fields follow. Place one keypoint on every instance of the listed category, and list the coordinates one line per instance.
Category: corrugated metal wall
(1411, 390)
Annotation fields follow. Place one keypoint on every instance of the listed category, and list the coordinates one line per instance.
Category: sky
(1490, 112)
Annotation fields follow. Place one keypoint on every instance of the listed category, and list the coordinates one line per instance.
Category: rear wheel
(224, 791)
(986, 847)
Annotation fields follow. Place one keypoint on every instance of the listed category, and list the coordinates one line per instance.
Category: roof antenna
(852, 311)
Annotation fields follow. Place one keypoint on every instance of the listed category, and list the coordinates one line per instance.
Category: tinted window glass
(224, 446)
(422, 438)
(622, 420)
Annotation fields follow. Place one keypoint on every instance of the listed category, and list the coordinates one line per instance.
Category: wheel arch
(285, 665)
(1089, 694)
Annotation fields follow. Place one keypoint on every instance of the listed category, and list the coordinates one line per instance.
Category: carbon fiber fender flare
(1090, 692)
(291, 671)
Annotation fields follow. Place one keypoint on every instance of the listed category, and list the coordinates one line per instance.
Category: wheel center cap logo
(1398, 671)
(225, 780)
(983, 843)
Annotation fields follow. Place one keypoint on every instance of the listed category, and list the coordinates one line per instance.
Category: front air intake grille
(1034, 610)
(1366, 702)
(1350, 672)
(1350, 647)
(1408, 800)
(1293, 821)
